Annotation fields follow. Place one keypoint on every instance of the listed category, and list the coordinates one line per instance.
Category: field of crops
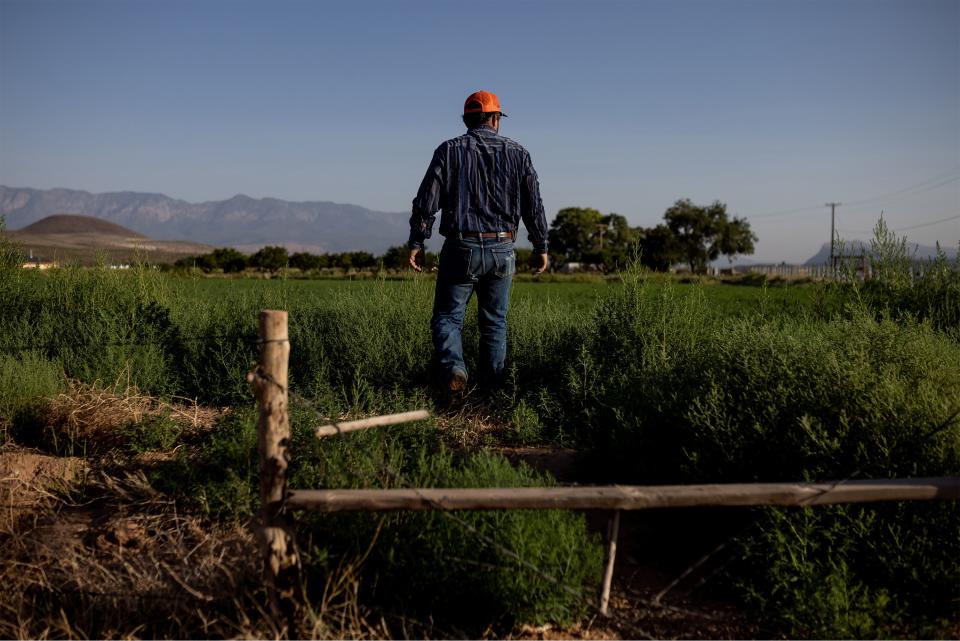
(649, 380)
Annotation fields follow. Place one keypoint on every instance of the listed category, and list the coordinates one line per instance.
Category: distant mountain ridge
(241, 221)
(856, 247)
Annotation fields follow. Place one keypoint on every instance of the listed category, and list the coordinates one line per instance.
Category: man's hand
(414, 263)
(539, 263)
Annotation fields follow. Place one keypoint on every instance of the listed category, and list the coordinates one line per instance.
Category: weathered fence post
(281, 561)
(613, 531)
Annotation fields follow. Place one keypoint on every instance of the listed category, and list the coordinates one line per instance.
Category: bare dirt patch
(105, 554)
(126, 564)
(29, 479)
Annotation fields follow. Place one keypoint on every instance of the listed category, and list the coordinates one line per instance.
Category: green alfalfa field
(130, 430)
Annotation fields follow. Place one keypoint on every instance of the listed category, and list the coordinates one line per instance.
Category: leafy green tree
(205, 262)
(270, 258)
(573, 231)
(362, 260)
(228, 259)
(11, 254)
(659, 249)
(523, 257)
(583, 234)
(615, 241)
(703, 233)
(735, 238)
(395, 257)
(306, 261)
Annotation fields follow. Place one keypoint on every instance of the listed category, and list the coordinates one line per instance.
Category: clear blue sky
(625, 106)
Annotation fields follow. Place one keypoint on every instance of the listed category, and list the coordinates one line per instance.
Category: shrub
(901, 286)
(421, 562)
(11, 253)
(25, 380)
(429, 564)
(154, 432)
(222, 479)
(96, 324)
(663, 385)
(671, 393)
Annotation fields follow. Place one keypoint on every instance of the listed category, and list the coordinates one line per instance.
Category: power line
(945, 177)
(907, 228)
(929, 184)
(900, 195)
(929, 224)
(785, 212)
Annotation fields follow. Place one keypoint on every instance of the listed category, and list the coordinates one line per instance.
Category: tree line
(273, 258)
(690, 234)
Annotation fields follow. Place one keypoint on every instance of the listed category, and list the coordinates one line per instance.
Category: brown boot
(457, 384)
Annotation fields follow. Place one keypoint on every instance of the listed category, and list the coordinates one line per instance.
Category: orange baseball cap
(482, 102)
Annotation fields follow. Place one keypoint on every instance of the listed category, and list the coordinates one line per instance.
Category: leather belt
(487, 234)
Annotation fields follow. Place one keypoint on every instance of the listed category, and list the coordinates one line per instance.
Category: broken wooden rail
(281, 560)
(624, 497)
(376, 421)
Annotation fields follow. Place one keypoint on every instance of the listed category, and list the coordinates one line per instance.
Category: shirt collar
(484, 130)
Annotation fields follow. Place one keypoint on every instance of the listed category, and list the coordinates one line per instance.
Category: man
(484, 183)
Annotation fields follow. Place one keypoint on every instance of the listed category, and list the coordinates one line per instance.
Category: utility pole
(833, 233)
(600, 229)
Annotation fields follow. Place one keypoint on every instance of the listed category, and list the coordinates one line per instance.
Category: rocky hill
(88, 240)
(68, 224)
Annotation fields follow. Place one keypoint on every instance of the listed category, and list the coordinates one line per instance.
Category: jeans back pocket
(505, 261)
(456, 263)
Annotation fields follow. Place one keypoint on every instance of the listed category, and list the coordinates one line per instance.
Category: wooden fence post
(281, 561)
(613, 531)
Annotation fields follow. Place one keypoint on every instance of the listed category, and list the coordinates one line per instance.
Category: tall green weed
(899, 285)
(667, 391)
(663, 386)
(420, 563)
(26, 378)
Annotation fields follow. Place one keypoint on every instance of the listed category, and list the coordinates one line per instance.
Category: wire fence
(401, 481)
(54, 344)
(577, 591)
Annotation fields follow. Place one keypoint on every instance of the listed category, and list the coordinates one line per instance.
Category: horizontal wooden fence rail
(281, 560)
(624, 497)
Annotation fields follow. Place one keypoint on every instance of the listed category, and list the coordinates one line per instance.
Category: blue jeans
(484, 265)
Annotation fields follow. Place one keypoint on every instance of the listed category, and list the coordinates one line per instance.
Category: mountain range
(242, 222)
(858, 247)
(250, 223)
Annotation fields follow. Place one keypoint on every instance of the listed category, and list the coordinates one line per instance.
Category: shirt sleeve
(531, 208)
(428, 201)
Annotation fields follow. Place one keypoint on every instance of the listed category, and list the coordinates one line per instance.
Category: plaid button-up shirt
(483, 182)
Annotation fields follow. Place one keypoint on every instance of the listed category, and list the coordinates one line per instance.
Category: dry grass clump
(127, 563)
(124, 564)
(93, 410)
(469, 425)
(98, 416)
